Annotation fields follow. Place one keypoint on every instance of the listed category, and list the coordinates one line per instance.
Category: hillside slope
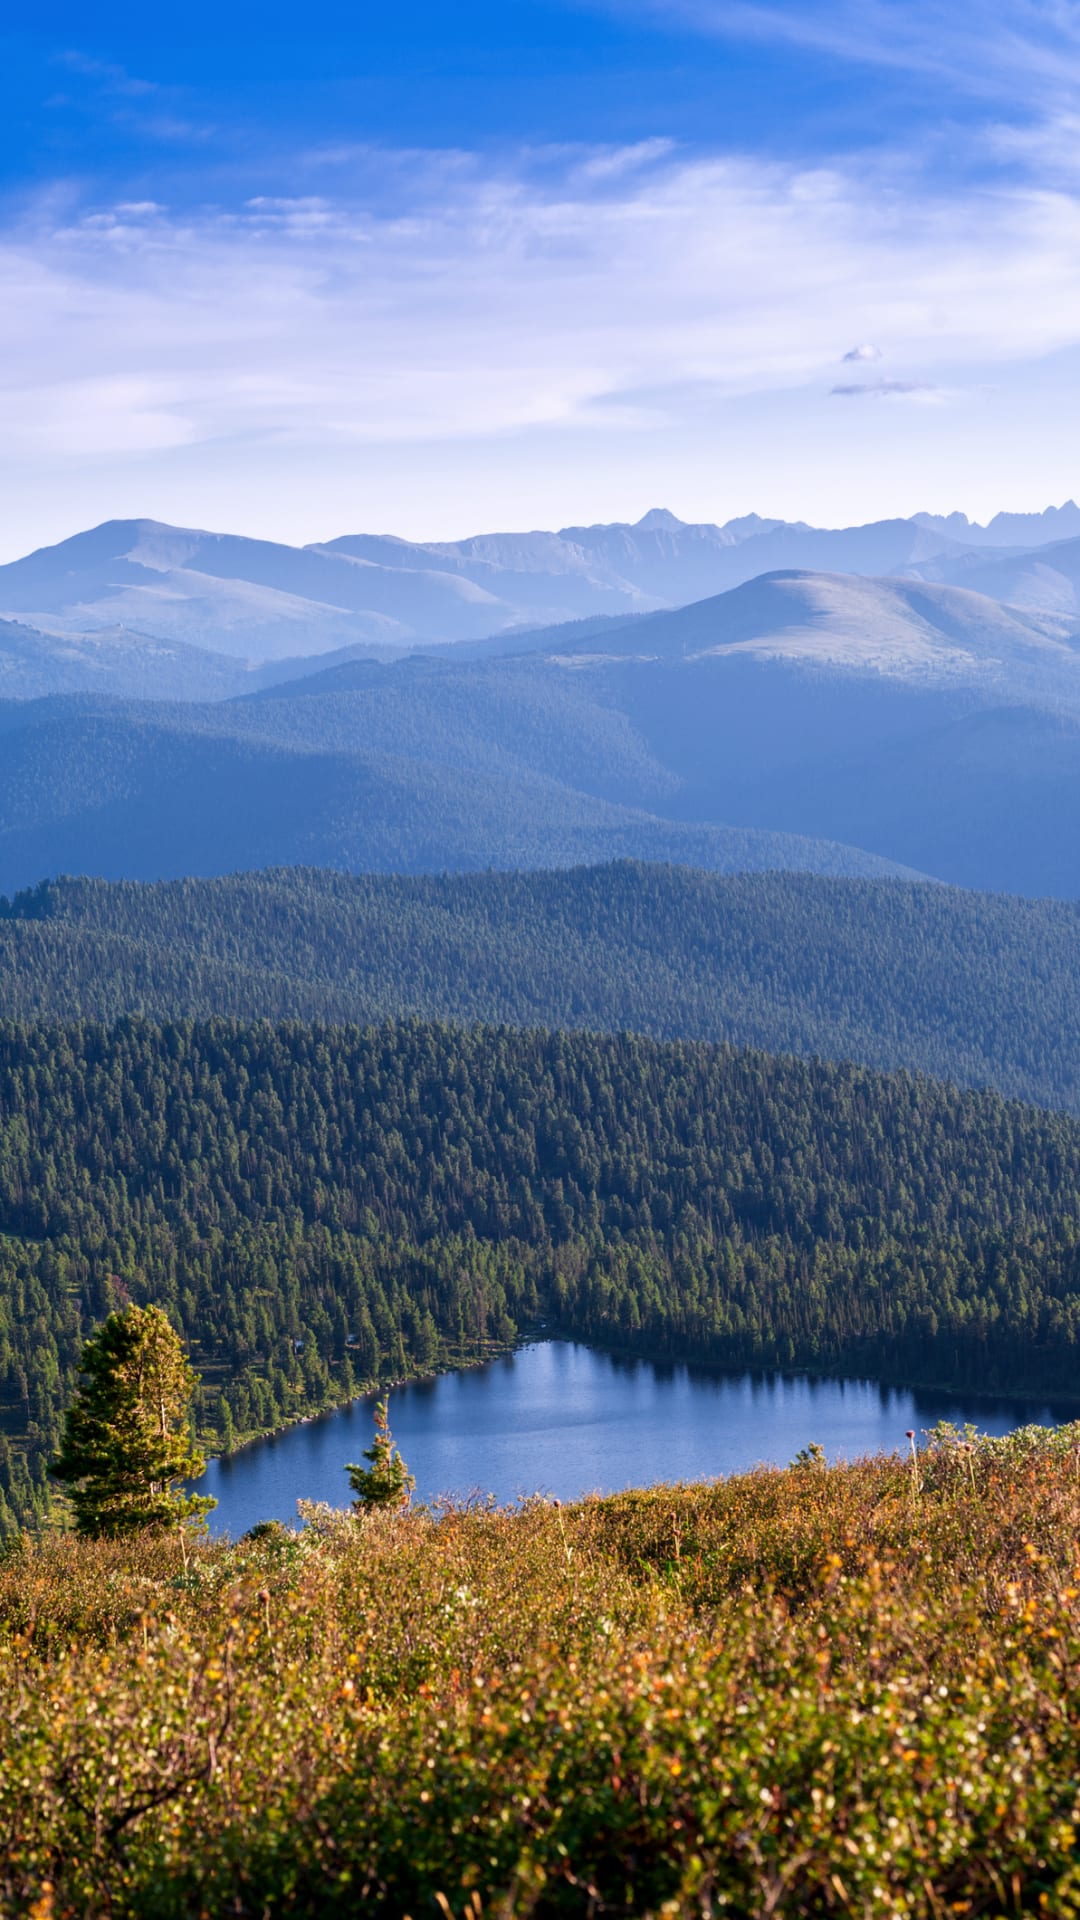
(1044, 580)
(382, 784)
(35, 664)
(682, 1698)
(982, 989)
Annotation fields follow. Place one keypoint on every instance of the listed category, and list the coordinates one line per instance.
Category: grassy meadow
(821, 1691)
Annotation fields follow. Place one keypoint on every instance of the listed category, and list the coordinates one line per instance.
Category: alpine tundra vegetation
(819, 1691)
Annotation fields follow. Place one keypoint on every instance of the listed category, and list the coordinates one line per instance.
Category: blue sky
(433, 269)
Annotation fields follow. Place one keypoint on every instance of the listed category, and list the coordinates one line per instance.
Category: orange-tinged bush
(825, 1691)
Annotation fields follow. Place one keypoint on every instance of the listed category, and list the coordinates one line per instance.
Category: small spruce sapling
(387, 1482)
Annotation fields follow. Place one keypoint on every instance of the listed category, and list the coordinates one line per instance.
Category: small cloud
(170, 126)
(142, 105)
(880, 389)
(111, 78)
(284, 203)
(866, 352)
(303, 214)
(341, 155)
(610, 163)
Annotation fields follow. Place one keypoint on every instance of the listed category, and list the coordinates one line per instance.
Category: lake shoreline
(897, 1383)
(563, 1418)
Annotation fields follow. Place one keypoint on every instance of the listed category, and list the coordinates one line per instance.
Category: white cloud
(509, 304)
(498, 302)
(613, 163)
(1047, 149)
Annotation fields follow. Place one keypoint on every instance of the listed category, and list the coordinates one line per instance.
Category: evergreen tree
(127, 1444)
(349, 1189)
(387, 1482)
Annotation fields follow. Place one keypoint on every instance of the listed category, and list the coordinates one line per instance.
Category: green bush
(815, 1692)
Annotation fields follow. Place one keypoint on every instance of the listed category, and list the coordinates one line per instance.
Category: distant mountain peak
(1007, 529)
(658, 520)
(259, 600)
(746, 525)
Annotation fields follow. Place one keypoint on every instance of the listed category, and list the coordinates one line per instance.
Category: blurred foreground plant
(791, 1693)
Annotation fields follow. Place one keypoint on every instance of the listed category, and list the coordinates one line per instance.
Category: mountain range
(253, 600)
(822, 723)
(834, 722)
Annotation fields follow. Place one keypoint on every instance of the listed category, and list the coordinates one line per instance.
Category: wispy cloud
(497, 300)
(1047, 149)
(1017, 50)
(614, 163)
(128, 100)
(106, 75)
(504, 302)
(865, 352)
(881, 389)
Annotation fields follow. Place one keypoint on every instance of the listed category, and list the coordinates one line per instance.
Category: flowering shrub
(801, 1693)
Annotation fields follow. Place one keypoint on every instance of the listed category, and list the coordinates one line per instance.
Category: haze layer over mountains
(183, 703)
(258, 600)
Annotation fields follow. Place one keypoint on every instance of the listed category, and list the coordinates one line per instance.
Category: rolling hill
(918, 721)
(923, 634)
(149, 793)
(251, 598)
(980, 989)
(114, 660)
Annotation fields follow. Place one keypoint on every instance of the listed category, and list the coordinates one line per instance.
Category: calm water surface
(563, 1419)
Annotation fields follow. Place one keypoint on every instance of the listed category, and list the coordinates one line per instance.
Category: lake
(560, 1418)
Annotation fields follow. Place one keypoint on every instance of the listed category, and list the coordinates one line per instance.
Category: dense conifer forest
(437, 774)
(720, 759)
(979, 988)
(319, 1208)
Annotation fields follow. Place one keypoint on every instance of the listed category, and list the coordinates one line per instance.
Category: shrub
(800, 1693)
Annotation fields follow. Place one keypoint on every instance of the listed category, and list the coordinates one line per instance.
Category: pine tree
(127, 1446)
(387, 1482)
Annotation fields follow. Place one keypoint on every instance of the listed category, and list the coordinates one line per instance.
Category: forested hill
(980, 988)
(319, 1207)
